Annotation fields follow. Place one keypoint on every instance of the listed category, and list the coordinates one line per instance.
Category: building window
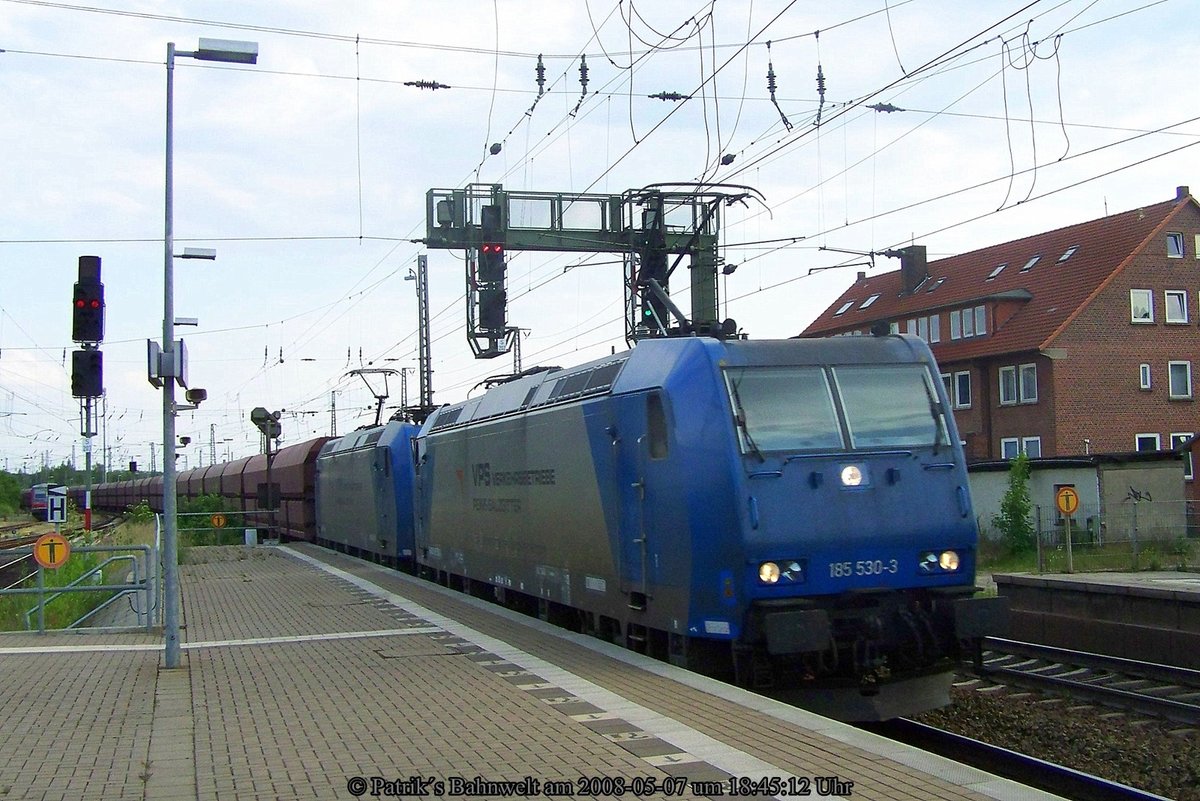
(956, 324)
(968, 324)
(946, 382)
(1010, 447)
(893, 328)
(1028, 382)
(1144, 376)
(935, 328)
(962, 390)
(1008, 386)
(1068, 253)
(923, 328)
(1032, 447)
(1174, 246)
(869, 301)
(1141, 306)
(1146, 442)
(1179, 379)
(1176, 303)
(1029, 264)
(999, 269)
(911, 326)
(845, 307)
(980, 322)
(1177, 443)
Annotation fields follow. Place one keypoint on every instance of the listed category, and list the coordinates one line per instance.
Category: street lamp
(209, 50)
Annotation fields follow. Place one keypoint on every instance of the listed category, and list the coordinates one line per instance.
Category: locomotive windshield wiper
(935, 410)
(740, 417)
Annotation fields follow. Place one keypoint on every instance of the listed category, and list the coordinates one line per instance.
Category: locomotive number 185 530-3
(863, 567)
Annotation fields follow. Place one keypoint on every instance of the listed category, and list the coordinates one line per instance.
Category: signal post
(87, 364)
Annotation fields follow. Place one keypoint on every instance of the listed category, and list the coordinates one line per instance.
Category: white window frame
(935, 328)
(1147, 296)
(1175, 238)
(948, 385)
(956, 324)
(1027, 441)
(1177, 439)
(869, 301)
(980, 321)
(962, 399)
(1012, 400)
(968, 323)
(1029, 264)
(1155, 438)
(1016, 445)
(910, 327)
(1068, 253)
(845, 308)
(1030, 396)
(999, 269)
(1182, 296)
(1144, 376)
(1171, 387)
(893, 328)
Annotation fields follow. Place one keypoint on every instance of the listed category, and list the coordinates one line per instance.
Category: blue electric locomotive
(364, 493)
(791, 514)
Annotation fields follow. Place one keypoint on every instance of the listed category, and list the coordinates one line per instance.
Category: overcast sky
(308, 174)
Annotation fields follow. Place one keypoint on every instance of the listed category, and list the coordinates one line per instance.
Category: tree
(10, 493)
(1014, 520)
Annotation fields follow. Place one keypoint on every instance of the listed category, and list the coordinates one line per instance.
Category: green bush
(1014, 520)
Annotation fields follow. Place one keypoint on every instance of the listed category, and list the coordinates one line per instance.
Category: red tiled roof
(1057, 290)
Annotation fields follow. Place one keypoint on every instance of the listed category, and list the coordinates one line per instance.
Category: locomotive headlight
(948, 561)
(768, 573)
(852, 475)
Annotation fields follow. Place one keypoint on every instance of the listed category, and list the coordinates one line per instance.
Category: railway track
(9, 543)
(1043, 775)
(1161, 691)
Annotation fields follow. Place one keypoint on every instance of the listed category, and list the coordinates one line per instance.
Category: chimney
(862, 276)
(1181, 192)
(912, 267)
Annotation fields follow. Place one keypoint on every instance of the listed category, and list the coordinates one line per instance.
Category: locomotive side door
(641, 441)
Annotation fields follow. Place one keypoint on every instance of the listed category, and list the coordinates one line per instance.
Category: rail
(1163, 691)
(1046, 776)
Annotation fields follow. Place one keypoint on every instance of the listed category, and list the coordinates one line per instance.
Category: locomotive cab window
(783, 408)
(656, 425)
(891, 406)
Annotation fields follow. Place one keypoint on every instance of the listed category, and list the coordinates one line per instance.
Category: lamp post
(209, 50)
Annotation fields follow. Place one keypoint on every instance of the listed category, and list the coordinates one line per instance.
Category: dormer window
(845, 307)
(1029, 264)
(1068, 253)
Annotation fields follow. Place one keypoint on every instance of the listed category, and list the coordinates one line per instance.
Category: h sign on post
(56, 504)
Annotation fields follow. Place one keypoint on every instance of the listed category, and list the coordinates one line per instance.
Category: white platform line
(97, 648)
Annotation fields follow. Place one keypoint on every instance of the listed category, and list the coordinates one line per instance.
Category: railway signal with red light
(491, 263)
(87, 306)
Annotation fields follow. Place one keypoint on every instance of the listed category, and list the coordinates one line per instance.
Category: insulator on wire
(540, 71)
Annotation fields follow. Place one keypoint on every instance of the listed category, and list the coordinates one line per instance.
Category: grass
(1177, 554)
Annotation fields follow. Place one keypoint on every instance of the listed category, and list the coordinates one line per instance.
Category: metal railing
(145, 583)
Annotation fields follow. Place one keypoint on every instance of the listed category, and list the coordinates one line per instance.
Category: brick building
(1079, 340)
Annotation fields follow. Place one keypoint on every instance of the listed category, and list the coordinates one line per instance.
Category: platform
(1152, 616)
(309, 675)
